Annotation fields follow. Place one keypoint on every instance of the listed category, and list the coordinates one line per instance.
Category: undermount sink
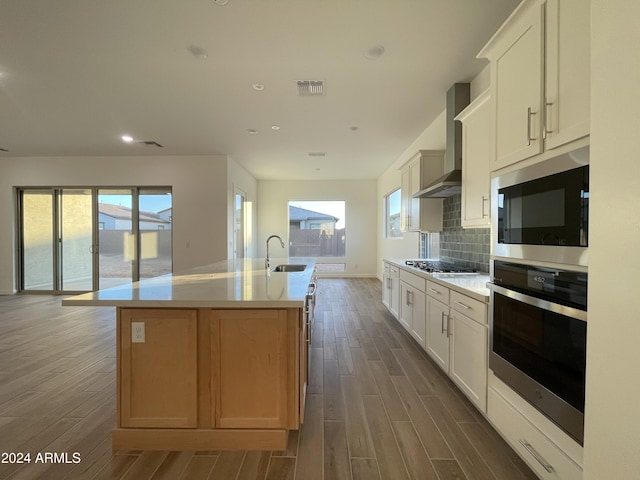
(289, 267)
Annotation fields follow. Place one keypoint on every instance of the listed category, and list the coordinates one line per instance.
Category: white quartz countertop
(243, 283)
(473, 285)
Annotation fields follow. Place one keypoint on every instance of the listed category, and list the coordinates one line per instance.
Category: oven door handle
(539, 302)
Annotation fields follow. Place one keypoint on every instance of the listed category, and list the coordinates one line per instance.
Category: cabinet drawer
(394, 271)
(469, 307)
(414, 280)
(539, 450)
(438, 291)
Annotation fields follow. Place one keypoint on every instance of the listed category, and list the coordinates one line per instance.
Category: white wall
(612, 424)
(199, 198)
(360, 198)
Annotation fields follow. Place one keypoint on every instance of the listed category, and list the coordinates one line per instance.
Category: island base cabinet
(209, 379)
(158, 368)
(254, 376)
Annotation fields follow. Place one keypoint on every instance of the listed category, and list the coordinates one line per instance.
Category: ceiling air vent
(3, 150)
(310, 88)
(150, 143)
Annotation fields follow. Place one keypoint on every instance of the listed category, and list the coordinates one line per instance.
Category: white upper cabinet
(421, 214)
(539, 79)
(476, 154)
(568, 65)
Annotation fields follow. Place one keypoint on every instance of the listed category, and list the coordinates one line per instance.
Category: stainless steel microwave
(542, 211)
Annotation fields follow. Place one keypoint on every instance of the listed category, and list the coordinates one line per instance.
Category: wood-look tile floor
(377, 407)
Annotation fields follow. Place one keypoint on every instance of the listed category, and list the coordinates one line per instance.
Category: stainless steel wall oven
(538, 335)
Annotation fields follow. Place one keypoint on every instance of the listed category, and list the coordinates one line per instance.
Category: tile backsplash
(468, 247)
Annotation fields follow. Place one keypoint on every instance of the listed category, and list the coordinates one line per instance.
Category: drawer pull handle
(434, 290)
(536, 455)
(463, 305)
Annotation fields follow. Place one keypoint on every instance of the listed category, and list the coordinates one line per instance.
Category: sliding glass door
(154, 230)
(116, 253)
(75, 240)
(38, 240)
(83, 239)
(57, 240)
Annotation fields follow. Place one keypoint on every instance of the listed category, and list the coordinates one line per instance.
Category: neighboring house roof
(297, 214)
(124, 213)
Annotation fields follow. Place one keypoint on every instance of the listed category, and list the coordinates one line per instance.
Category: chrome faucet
(267, 262)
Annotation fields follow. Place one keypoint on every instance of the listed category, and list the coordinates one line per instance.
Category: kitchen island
(212, 358)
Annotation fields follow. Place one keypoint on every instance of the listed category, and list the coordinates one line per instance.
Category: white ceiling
(75, 75)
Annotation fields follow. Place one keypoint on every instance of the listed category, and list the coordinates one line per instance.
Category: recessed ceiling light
(374, 52)
(127, 138)
(221, 2)
(252, 131)
(258, 87)
(275, 127)
(198, 52)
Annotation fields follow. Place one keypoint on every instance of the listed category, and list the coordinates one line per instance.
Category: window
(317, 229)
(392, 214)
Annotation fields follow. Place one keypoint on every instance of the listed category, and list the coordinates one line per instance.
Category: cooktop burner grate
(433, 266)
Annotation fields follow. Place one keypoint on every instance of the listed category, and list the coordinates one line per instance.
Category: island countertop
(244, 283)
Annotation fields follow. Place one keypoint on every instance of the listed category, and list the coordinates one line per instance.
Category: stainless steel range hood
(450, 183)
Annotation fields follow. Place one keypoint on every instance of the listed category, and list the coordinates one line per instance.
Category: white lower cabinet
(457, 340)
(450, 326)
(391, 288)
(468, 357)
(413, 305)
(437, 332)
(544, 457)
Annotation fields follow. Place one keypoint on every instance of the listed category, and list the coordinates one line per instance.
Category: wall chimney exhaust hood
(458, 97)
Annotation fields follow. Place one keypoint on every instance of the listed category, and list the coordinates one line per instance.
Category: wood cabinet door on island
(254, 354)
(157, 368)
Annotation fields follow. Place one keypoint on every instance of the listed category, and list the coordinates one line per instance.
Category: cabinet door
(567, 90)
(476, 154)
(437, 344)
(386, 288)
(256, 357)
(406, 306)
(305, 344)
(405, 199)
(157, 372)
(394, 296)
(517, 72)
(469, 358)
(414, 210)
(419, 317)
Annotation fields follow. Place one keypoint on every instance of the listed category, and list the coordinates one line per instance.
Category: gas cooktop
(436, 266)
